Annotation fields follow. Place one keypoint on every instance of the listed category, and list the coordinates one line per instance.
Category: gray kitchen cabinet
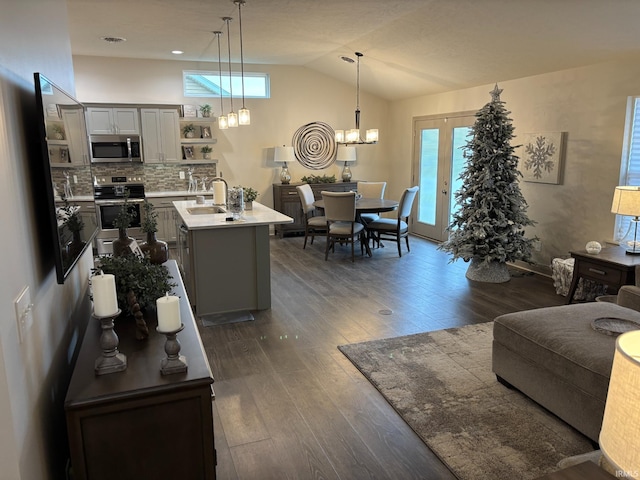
(113, 120)
(160, 135)
(166, 217)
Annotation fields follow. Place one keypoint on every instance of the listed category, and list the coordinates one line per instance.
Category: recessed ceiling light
(114, 39)
(177, 52)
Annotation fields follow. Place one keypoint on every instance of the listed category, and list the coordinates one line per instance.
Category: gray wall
(34, 38)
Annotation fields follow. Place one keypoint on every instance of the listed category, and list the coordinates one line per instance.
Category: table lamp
(283, 155)
(346, 154)
(620, 433)
(626, 201)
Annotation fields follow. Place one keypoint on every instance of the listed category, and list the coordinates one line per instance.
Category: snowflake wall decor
(541, 157)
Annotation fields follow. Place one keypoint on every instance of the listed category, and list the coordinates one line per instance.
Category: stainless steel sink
(206, 210)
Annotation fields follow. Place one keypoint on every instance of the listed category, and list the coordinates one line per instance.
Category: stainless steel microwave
(115, 148)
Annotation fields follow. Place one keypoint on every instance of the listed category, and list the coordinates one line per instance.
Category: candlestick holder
(174, 363)
(111, 360)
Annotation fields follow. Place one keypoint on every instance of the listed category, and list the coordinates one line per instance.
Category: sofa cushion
(562, 340)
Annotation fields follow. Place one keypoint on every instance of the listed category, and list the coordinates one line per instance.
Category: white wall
(590, 105)
(298, 96)
(34, 38)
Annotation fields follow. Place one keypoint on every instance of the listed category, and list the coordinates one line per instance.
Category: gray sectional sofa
(554, 356)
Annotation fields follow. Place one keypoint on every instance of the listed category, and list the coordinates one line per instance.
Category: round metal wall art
(314, 145)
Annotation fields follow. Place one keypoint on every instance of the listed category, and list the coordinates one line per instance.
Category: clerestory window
(212, 84)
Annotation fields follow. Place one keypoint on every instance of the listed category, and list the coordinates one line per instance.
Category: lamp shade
(346, 154)
(284, 154)
(620, 434)
(626, 201)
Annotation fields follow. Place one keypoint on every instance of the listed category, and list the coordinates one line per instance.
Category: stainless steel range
(110, 194)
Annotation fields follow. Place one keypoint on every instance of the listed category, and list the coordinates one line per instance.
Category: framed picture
(205, 132)
(187, 152)
(542, 156)
(189, 111)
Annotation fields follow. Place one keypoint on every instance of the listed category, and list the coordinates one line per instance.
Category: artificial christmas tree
(488, 228)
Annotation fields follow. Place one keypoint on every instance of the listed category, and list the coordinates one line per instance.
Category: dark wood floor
(289, 405)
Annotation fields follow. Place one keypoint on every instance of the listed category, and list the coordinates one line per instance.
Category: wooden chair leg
(407, 239)
(399, 242)
(326, 249)
(353, 249)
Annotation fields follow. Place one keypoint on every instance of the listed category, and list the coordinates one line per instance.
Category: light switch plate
(181, 175)
(24, 316)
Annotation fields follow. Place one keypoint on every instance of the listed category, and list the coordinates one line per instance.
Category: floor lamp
(626, 201)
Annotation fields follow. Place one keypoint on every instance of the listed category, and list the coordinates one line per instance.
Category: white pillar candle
(168, 313)
(219, 195)
(105, 300)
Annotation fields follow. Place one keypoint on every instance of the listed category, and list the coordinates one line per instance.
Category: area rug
(442, 385)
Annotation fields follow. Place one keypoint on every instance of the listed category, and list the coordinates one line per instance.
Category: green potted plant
(249, 196)
(139, 283)
(319, 179)
(206, 152)
(205, 110)
(156, 250)
(122, 221)
(189, 130)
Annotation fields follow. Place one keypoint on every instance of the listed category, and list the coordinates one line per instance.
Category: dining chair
(340, 210)
(395, 228)
(313, 224)
(371, 190)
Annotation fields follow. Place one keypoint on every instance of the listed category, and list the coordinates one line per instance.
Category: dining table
(367, 205)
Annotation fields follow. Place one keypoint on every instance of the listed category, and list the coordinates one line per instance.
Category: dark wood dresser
(287, 201)
(138, 423)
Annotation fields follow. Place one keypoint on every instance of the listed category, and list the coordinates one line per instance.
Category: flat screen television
(68, 181)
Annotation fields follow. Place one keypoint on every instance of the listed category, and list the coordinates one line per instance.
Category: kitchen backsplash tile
(156, 178)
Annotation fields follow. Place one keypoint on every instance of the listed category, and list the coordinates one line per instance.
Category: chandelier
(353, 135)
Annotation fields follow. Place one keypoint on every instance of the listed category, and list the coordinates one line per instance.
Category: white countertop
(181, 193)
(259, 215)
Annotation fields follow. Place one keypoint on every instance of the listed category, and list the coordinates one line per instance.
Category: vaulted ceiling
(410, 47)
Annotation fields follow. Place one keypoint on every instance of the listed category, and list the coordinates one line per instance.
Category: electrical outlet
(24, 315)
(181, 175)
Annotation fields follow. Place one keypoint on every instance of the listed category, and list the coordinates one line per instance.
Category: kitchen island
(225, 264)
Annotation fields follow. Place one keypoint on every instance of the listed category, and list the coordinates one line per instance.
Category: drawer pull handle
(292, 193)
(599, 272)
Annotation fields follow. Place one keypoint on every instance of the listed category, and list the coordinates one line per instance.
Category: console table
(612, 266)
(286, 200)
(139, 423)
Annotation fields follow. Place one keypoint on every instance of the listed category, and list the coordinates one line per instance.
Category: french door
(437, 164)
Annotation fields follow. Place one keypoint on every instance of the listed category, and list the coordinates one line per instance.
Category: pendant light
(222, 119)
(244, 116)
(353, 135)
(232, 118)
